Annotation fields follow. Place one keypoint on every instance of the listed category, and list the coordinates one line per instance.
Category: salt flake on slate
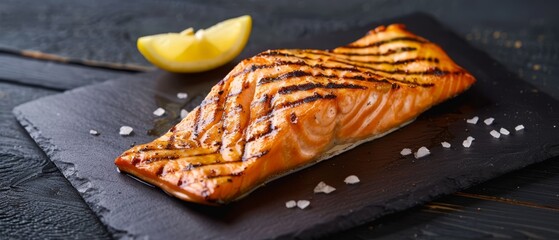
(183, 113)
(445, 144)
(468, 142)
(159, 112)
(519, 127)
(323, 188)
(302, 204)
(405, 152)
(182, 95)
(93, 132)
(504, 131)
(495, 134)
(472, 120)
(352, 179)
(125, 130)
(489, 121)
(422, 152)
(290, 204)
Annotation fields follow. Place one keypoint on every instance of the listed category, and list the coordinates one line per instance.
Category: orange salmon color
(283, 110)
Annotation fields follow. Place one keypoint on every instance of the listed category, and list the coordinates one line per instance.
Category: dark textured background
(37, 202)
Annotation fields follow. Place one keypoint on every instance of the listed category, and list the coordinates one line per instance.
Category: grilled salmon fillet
(282, 110)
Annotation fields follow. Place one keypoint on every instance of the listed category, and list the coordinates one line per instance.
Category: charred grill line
(387, 53)
(173, 157)
(399, 62)
(197, 123)
(377, 78)
(308, 99)
(310, 86)
(433, 71)
(254, 67)
(238, 174)
(296, 73)
(259, 135)
(269, 114)
(258, 155)
(382, 42)
(394, 63)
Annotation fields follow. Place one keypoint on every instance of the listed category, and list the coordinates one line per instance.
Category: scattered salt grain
(519, 127)
(159, 112)
(323, 188)
(302, 204)
(422, 152)
(504, 131)
(405, 152)
(290, 204)
(352, 179)
(489, 121)
(495, 134)
(183, 113)
(473, 120)
(468, 142)
(182, 95)
(445, 144)
(125, 130)
(93, 132)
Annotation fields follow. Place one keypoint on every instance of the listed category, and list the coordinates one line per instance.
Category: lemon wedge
(199, 51)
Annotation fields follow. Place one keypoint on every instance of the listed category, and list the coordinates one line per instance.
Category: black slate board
(389, 182)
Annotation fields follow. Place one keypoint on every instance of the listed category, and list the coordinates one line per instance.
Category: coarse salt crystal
(504, 131)
(352, 179)
(468, 142)
(290, 204)
(159, 112)
(183, 113)
(473, 120)
(489, 121)
(422, 152)
(182, 95)
(495, 134)
(302, 204)
(93, 132)
(519, 127)
(405, 152)
(125, 130)
(323, 188)
(445, 144)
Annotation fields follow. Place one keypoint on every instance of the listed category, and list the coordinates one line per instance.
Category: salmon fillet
(283, 110)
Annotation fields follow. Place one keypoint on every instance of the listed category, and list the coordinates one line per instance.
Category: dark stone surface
(389, 182)
(106, 30)
(36, 201)
(51, 75)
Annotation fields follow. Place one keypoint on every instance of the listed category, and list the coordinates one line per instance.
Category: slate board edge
(82, 185)
(358, 217)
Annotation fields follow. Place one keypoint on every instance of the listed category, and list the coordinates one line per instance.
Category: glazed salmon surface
(282, 110)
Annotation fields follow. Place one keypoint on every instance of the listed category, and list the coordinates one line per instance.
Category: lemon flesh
(203, 50)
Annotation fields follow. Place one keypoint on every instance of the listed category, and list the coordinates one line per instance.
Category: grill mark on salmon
(431, 71)
(382, 42)
(397, 62)
(258, 155)
(285, 109)
(387, 53)
(377, 78)
(310, 86)
(309, 99)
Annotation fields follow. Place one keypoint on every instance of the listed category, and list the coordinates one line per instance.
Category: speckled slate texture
(389, 182)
